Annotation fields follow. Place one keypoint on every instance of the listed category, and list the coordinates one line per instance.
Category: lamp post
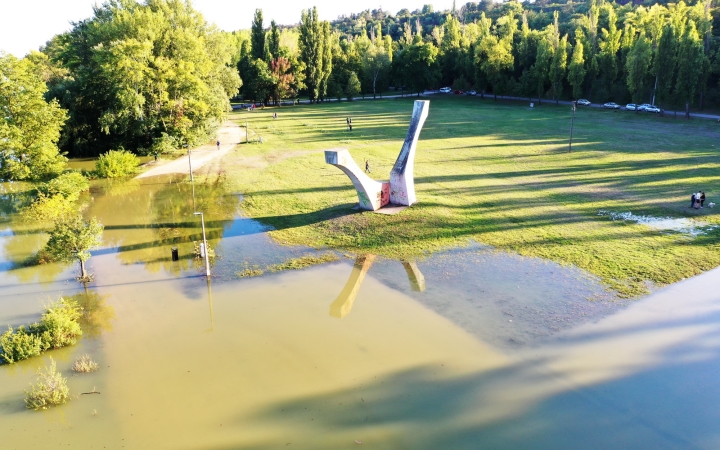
(572, 124)
(205, 246)
(190, 163)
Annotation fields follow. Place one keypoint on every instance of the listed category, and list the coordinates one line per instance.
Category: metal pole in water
(572, 124)
(190, 163)
(207, 258)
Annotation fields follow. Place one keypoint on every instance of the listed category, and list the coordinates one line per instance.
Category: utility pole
(572, 124)
(247, 131)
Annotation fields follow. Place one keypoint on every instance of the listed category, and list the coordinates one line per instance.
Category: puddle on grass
(689, 227)
(451, 352)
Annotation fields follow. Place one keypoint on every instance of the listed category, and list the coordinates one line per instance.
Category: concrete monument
(400, 190)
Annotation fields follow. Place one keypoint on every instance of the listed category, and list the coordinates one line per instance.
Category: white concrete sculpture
(373, 195)
(402, 176)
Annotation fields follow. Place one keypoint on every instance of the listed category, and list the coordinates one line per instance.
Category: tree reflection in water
(97, 315)
(153, 215)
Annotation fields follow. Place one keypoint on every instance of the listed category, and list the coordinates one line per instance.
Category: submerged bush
(58, 327)
(116, 164)
(85, 364)
(51, 389)
(16, 345)
(57, 198)
(69, 185)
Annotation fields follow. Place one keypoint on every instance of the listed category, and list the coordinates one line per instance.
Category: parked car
(445, 90)
(583, 102)
(458, 91)
(631, 107)
(652, 109)
(470, 93)
(611, 105)
(644, 106)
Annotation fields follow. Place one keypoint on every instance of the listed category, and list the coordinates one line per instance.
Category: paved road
(229, 136)
(520, 99)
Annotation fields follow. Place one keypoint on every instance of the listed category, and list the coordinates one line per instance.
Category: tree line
(666, 54)
(154, 76)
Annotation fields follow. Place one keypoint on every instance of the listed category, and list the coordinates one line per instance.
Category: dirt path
(229, 135)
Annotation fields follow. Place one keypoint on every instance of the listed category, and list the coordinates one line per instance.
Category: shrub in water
(58, 327)
(69, 185)
(16, 345)
(84, 364)
(51, 389)
(116, 164)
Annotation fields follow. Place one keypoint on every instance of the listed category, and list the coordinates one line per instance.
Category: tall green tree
(29, 125)
(376, 64)
(690, 63)
(257, 36)
(666, 64)
(558, 68)
(274, 41)
(143, 73)
(314, 37)
(638, 65)
(576, 70)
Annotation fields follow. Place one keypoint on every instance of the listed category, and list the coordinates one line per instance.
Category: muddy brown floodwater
(468, 349)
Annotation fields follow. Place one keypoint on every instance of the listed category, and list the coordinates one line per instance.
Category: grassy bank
(498, 173)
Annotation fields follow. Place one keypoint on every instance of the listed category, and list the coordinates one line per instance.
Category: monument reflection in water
(343, 304)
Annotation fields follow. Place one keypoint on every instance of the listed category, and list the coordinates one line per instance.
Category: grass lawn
(498, 173)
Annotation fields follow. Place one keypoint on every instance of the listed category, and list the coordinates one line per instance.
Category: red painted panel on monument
(385, 194)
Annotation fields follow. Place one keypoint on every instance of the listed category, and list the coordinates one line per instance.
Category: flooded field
(471, 348)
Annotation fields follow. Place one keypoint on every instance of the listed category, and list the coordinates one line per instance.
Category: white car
(445, 90)
(470, 92)
(631, 107)
(611, 105)
(583, 102)
(644, 106)
(652, 109)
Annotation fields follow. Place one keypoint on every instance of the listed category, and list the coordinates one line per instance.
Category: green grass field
(498, 173)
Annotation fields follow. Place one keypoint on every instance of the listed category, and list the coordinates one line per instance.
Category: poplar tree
(257, 36)
(666, 64)
(274, 41)
(689, 65)
(558, 68)
(638, 63)
(314, 38)
(576, 71)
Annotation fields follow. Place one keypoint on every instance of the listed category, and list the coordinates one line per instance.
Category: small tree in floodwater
(72, 239)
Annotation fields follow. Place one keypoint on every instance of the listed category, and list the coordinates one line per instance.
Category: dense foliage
(57, 198)
(137, 75)
(116, 164)
(661, 53)
(58, 327)
(29, 125)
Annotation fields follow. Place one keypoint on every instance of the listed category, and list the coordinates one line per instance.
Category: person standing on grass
(702, 198)
(367, 166)
(692, 200)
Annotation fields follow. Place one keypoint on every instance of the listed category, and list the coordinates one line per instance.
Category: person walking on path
(367, 166)
(156, 156)
(218, 145)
